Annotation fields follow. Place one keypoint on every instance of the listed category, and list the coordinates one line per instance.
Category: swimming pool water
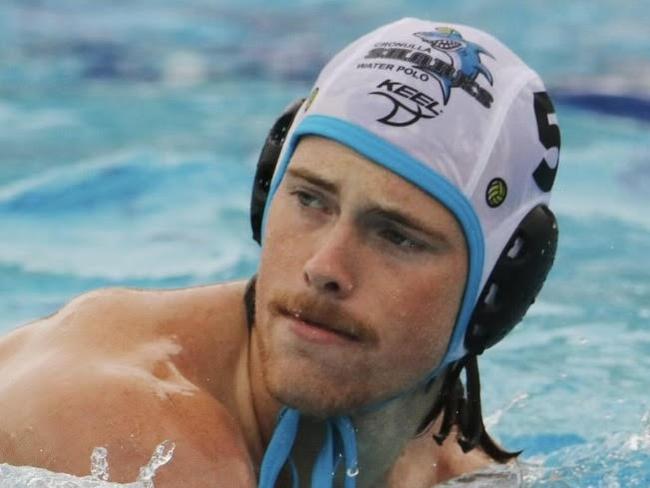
(130, 133)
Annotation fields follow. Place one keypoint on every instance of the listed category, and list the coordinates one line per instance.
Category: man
(405, 229)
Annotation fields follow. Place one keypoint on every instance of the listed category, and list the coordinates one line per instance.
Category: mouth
(315, 329)
(445, 45)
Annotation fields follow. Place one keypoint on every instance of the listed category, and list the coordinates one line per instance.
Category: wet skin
(354, 305)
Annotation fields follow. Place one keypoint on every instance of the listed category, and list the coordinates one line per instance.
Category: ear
(266, 165)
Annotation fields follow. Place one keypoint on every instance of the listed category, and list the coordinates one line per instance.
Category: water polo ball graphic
(496, 193)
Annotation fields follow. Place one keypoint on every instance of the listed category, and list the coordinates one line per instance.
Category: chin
(299, 387)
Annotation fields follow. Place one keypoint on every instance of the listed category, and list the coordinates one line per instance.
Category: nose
(329, 269)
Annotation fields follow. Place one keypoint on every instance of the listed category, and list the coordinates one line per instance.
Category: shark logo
(444, 56)
(465, 61)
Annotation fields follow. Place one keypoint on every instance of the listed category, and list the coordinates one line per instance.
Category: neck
(382, 434)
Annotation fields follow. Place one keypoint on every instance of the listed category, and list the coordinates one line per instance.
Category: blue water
(130, 132)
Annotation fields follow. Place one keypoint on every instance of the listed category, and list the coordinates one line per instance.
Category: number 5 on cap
(549, 136)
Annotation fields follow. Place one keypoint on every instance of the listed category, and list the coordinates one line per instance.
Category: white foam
(502, 475)
(589, 209)
(61, 175)
(634, 82)
(116, 260)
(64, 173)
(34, 119)
(547, 309)
(185, 68)
(640, 442)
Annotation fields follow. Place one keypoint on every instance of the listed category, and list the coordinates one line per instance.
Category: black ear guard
(515, 281)
(266, 166)
(516, 278)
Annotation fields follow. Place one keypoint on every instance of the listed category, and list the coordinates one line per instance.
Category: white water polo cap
(453, 111)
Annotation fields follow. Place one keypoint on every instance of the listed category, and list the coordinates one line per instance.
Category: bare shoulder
(113, 320)
(423, 462)
(126, 370)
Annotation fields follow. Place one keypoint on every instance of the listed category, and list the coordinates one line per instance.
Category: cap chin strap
(340, 443)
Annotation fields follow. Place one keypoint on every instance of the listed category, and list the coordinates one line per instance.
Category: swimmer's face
(359, 285)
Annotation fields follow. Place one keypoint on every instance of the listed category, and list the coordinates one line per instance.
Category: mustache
(323, 313)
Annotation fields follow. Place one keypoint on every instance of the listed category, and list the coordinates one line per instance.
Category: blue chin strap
(340, 443)
(340, 436)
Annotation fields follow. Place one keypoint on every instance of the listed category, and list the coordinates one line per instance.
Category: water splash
(493, 420)
(161, 456)
(501, 475)
(29, 476)
(99, 464)
(352, 472)
(614, 461)
(641, 442)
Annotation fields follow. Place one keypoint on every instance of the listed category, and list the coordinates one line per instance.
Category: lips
(316, 322)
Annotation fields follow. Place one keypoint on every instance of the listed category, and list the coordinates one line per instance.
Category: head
(360, 271)
(403, 147)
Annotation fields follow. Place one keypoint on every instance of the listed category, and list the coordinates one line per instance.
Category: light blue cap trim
(398, 161)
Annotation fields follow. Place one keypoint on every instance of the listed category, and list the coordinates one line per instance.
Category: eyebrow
(376, 210)
(408, 221)
(314, 179)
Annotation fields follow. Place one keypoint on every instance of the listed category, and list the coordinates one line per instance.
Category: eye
(401, 240)
(308, 200)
